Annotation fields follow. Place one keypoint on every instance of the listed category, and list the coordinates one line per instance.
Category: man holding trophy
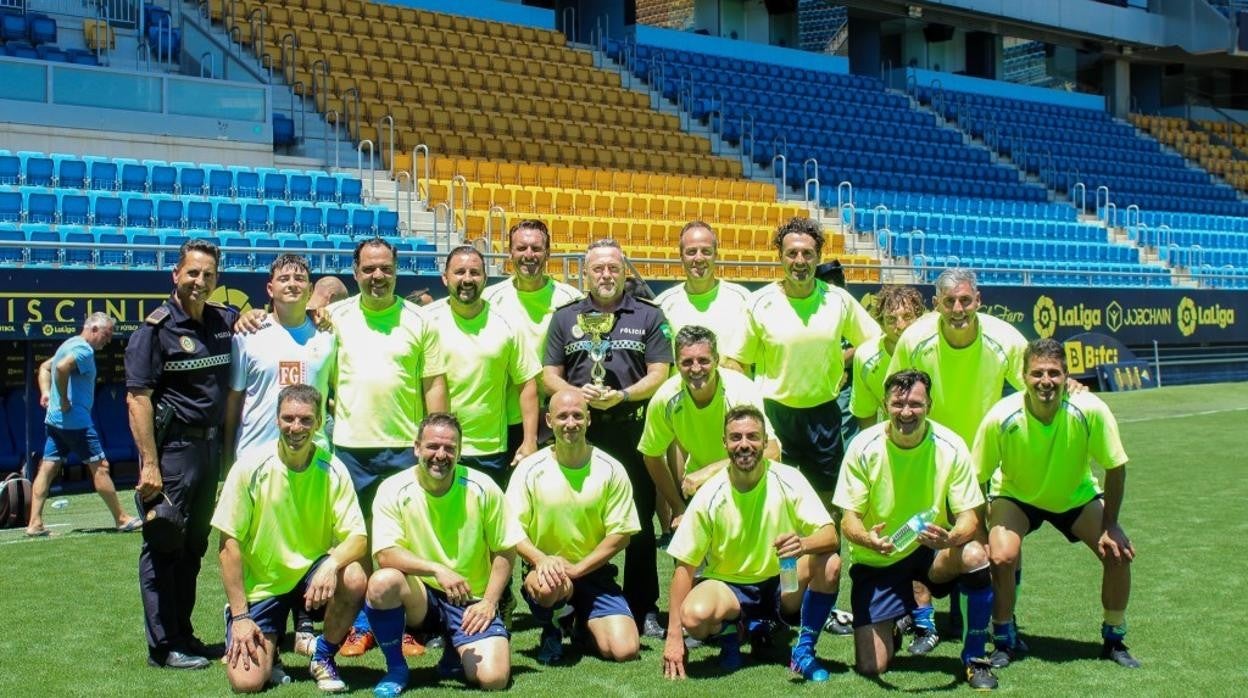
(616, 350)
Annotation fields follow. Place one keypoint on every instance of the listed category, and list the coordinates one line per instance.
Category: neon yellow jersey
(460, 529)
(735, 532)
(382, 357)
(488, 356)
(530, 313)
(966, 382)
(1047, 465)
(870, 369)
(673, 416)
(719, 310)
(882, 482)
(284, 520)
(569, 511)
(795, 343)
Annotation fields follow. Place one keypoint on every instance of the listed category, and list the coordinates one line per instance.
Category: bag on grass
(14, 501)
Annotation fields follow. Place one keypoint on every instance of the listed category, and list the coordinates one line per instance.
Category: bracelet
(625, 394)
(245, 615)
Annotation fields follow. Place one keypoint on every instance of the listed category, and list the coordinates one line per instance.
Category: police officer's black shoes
(1115, 651)
(180, 660)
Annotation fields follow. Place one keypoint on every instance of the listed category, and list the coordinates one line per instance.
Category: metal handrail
(380, 123)
(257, 30)
(1111, 214)
(422, 182)
(303, 110)
(1082, 190)
(489, 225)
(853, 223)
(1098, 197)
(749, 154)
(1197, 253)
(875, 217)
(1140, 234)
(211, 62)
(445, 218)
(844, 186)
(1126, 217)
(1172, 255)
(462, 183)
(806, 168)
(398, 179)
(574, 34)
(783, 192)
(325, 136)
(806, 192)
(884, 240)
(922, 236)
(1164, 232)
(372, 163)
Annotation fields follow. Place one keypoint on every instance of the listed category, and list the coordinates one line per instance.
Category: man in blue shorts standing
(67, 387)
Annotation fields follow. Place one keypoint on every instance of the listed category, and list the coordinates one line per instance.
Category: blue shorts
(760, 601)
(596, 595)
(270, 614)
(810, 440)
(84, 443)
(879, 594)
(496, 465)
(369, 466)
(447, 620)
(1063, 521)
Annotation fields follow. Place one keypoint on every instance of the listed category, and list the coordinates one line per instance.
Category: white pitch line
(35, 539)
(1181, 415)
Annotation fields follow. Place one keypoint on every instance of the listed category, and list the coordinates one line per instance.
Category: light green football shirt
(530, 313)
(460, 529)
(285, 520)
(569, 511)
(1047, 465)
(382, 358)
(672, 415)
(488, 355)
(882, 482)
(866, 397)
(966, 382)
(735, 532)
(795, 343)
(720, 310)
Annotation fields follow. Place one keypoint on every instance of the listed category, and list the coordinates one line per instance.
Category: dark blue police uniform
(639, 337)
(186, 365)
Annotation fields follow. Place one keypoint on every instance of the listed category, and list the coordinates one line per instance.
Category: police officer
(630, 341)
(177, 376)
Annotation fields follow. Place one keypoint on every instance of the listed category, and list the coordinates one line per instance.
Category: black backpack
(14, 501)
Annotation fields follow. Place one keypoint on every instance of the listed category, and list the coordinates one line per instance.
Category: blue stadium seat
(311, 218)
(75, 207)
(255, 216)
(170, 212)
(235, 259)
(11, 206)
(220, 181)
(273, 185)
(134, 176)
(139, 209)
(246, 182)
(78, 234)
(10, 169)
(41, 204)
(113, 421)
(299, 185)
(362, 221)
(164, 177)
(191, 178)
(49, 52)
(38, 168)
(320, 253)
(102, 173)
(350, 189)
(284, 217)
(226, 214)
(387, 222)
(142, 258)
(42, 29)
(70, 171)
(12, 244)
(47, 255)
(13, 27)
(109, 235)
(324, 186)
(262, 241)
(106, 209)
(337, 220)
(198, 213)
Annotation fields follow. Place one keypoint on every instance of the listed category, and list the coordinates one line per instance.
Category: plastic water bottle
(909, 531)
(60, 504)
(788, 575)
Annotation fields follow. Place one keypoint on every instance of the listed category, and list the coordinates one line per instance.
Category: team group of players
(401, 517)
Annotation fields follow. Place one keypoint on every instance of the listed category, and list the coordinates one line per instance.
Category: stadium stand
(33, 35)
(71, 205)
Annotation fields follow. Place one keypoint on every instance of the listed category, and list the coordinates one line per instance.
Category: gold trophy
(595, 326)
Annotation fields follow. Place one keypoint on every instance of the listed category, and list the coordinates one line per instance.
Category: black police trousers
(189, 468)
(641, 575)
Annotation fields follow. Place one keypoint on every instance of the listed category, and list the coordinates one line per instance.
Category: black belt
(188, 431)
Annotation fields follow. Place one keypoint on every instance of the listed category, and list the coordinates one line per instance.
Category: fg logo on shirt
(290, 373)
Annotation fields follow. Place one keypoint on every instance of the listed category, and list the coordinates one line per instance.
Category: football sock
(816, 605)
(387, 626)
(361, 624)
(1003, 634)
(925, 617)
(325, 649)
(976, 588)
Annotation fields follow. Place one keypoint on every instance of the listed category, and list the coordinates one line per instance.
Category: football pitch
(73, 623)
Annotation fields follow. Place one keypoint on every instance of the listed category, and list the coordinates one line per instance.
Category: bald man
(328, 289)
(575, 505)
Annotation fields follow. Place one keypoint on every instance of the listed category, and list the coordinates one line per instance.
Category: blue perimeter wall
(743, 50)
(998, 88)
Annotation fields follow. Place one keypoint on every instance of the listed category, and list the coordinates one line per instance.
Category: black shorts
(1062, 521)
(879, 594)
(445, 619)
(596, 595)
(810, 440)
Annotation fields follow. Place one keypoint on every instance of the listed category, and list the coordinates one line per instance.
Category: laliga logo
(1192, 316)
(232, 297)
(1187, 316)
(1044, 317)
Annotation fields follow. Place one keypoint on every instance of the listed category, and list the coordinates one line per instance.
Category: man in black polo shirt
(636, 354)
(177, 377)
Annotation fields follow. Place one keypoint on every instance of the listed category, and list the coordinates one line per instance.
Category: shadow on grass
(358, 677)
(1059, 650)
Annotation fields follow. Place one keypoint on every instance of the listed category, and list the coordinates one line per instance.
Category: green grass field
(73, 623)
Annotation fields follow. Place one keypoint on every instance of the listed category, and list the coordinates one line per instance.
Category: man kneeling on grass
(746, 522)
(291, 533)
(445, 546)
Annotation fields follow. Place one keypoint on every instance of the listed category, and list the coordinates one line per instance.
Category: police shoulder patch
(157, 316)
